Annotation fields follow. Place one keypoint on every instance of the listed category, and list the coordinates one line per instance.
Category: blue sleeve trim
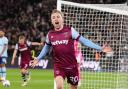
(89, 43)
(47, 43)
(43, 52)
(78, 37)
(75, 34)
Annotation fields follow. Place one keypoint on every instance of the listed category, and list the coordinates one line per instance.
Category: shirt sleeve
(5, 41)
(89, 43)
(75, 34)
(44, 51)
(84, 41)
(47, 40)
(29, 43)
(16, 46)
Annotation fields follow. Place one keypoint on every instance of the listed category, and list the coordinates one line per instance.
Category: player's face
(21, 41)
(1, 33)
(57, 21)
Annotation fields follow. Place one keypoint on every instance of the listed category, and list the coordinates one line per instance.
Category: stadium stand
(31, 17)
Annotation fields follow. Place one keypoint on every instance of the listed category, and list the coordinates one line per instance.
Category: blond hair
(57, 11)
(22, 36)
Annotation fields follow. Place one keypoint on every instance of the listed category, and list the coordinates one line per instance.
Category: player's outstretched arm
(42, 54)
(37, 43)
(89, 43)
(105, 48)
(13, 57)
(34, 62)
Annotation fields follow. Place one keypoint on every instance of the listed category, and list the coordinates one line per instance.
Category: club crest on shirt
(66, 34)
(57, 71)
(51, 37)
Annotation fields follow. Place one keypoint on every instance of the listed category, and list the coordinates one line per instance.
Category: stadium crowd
(28, 17)
(31, 17)
(99, 1)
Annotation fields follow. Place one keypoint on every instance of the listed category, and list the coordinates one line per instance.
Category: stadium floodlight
(103, 24)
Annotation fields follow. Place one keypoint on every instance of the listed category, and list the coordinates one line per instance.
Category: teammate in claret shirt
(23, 47)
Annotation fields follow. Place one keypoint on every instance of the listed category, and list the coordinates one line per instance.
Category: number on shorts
(74, 79)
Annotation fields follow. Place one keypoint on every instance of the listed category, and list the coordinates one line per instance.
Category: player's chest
(59, 36)
(23, 47)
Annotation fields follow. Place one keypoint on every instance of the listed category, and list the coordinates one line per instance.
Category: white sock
(3, 72)
(54, 84)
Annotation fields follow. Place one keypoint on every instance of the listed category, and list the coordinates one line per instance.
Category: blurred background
(32, 17)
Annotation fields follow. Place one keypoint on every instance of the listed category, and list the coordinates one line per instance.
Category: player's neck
(58, 29)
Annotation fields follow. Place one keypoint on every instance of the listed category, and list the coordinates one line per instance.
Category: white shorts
(3, 60)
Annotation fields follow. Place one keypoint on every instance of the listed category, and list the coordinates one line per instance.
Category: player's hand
(106, 48)
(34, 62)
(12, 62)
(41, 44)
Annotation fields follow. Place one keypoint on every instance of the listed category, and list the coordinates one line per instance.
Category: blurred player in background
(61, 38)
(79, 58)
(23, 47)
(3, 54)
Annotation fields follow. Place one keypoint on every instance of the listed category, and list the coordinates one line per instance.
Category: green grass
(40, 79)
(43, 79)
(104, 80)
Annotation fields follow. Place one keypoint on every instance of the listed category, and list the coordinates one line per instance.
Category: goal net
(103, 24)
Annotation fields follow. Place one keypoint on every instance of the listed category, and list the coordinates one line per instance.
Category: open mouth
(56, 23)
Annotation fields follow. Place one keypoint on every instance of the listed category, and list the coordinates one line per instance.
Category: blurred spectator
(31, 17)
(27, 16)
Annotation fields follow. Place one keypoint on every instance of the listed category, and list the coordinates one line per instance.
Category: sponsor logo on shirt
(23, 49)
(59, 42)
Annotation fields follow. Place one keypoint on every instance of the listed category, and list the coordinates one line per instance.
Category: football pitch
(43, 79)
(104, 80)
(40, 79)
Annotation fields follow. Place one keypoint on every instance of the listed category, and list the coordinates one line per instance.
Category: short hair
(21, 36)
(57, 11)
